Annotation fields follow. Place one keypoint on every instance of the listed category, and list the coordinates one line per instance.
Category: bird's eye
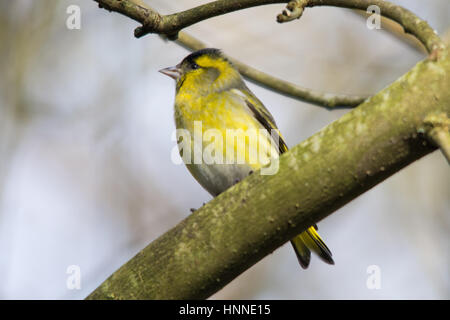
(194, 66)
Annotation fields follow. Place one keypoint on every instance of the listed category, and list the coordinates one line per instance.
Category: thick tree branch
(247, 222)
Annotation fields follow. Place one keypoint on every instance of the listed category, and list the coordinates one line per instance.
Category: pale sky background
(85, 146)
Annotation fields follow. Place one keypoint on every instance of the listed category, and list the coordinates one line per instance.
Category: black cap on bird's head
(210, 52)
(204, 71)
(208, 56)
(189, 63)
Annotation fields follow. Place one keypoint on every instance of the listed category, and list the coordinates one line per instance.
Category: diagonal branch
(248, 221)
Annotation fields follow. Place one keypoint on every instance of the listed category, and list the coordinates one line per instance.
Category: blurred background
(86, 177)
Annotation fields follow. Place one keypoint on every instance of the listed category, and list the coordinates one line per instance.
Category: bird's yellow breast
(223, 116)
(216, 111)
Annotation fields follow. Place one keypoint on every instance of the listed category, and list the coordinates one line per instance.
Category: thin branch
(411, 23)
(327, 100)
(170, 25)
(396, 30)
(294, 11)
(438, 131)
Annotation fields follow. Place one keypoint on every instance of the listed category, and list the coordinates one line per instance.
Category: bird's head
(203, 72)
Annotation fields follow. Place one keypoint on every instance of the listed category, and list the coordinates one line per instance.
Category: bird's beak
(173, 72)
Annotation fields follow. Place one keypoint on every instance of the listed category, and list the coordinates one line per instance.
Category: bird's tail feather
(309, 241)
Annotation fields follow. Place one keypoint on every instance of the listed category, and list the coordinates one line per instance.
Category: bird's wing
(310, 239)
(261, 113)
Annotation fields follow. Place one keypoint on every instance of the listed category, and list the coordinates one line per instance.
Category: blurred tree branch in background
(327, 100)
(139, 11)
(170, 26)
(232, 232)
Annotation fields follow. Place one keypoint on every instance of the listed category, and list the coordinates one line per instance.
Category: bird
(211, 96)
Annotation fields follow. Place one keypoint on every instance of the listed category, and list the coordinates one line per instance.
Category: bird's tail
(309, 241)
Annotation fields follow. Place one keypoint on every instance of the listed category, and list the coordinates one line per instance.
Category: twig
(438, 132)
(294, 11)
(396, 30)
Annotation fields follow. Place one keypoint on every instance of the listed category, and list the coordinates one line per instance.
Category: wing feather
(261, 114)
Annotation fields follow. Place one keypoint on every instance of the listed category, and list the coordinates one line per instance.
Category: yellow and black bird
(210, 91)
